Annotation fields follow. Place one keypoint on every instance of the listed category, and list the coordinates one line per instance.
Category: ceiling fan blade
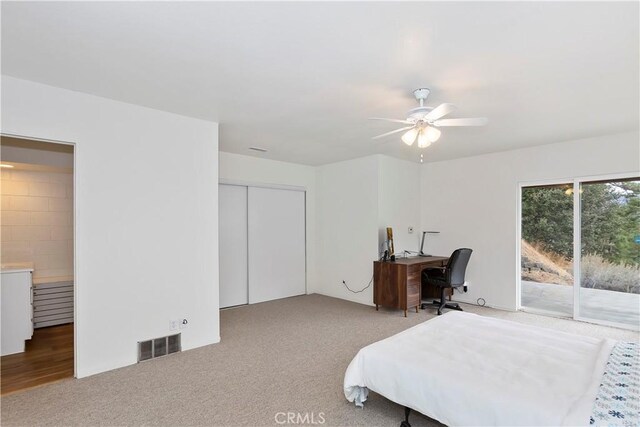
(440, 111)
(407, 122)
(392, 132)
(478, 121)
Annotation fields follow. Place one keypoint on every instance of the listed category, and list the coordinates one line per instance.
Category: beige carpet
(282, 356)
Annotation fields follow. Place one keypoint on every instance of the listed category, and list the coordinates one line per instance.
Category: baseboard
(489, 305)
(371, 304)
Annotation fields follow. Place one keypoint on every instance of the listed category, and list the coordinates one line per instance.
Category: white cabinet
(16, 305)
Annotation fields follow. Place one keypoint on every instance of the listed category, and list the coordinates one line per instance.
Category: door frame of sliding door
(521, 185)
(577, 244)
(577, 241)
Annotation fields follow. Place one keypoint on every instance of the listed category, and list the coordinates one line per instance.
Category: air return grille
(158, 347)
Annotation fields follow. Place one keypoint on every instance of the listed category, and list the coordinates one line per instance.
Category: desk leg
(405, 313)
(376, 307)
(417, 309)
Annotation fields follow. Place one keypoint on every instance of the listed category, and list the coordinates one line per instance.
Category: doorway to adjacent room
(38, 262)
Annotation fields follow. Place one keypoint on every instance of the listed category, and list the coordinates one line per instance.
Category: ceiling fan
(423, 121)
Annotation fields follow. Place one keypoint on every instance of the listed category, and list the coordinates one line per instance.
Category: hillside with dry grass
(543, 266)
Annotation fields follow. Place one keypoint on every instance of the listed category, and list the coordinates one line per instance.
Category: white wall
(357, 200)
(37, 221)
(473, 203)
(348, 227)
(239, 169)
(146, 217)
(399, 202)
(349, 204)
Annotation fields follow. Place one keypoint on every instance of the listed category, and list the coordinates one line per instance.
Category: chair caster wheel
(405, 424)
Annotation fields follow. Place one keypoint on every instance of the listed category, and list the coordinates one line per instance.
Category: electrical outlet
(410, 229)
(184, 323)
(174, 324)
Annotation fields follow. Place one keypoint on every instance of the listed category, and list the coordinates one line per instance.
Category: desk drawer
(421, 266)
(413, 294)
(415, 268)
(414, 278)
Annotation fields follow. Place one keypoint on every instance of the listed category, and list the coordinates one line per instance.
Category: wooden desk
(396, 284)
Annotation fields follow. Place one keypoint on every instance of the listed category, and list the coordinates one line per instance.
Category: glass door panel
(609, 289)
(546, 250)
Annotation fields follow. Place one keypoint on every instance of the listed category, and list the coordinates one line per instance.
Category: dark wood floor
(48, 358)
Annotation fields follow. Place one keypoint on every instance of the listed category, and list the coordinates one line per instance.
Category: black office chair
(451, 276)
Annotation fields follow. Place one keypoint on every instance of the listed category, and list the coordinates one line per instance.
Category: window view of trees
(610, 223)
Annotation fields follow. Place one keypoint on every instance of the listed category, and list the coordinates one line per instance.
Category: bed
(464, 369)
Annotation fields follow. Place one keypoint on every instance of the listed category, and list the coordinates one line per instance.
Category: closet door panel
(233, 245)
(276, 244)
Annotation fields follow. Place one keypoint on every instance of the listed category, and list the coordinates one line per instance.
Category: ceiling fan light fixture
(409, 136)
(432, 134)
(424, 122)
(423, 139)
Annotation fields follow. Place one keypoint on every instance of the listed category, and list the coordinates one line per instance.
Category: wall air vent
(258, 149)
(159, 347)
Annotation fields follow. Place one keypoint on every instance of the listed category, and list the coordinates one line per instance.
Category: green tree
(600, 220)
(547, 218)
(627, 220)
(610, 215)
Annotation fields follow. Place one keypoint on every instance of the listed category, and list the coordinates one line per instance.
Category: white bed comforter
(463, 369)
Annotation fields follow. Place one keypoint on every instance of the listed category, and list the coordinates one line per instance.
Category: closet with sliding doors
(262, 244)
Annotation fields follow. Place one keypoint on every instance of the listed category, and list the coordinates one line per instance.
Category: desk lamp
(424, 233)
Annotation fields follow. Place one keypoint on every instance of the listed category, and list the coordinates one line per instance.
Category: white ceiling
(300, 79)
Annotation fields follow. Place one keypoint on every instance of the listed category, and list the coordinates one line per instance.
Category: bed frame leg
(405, 423)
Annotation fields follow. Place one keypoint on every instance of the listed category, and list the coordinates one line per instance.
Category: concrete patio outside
(596, 304)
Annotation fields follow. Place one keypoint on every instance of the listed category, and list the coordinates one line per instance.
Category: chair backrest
(457, 265)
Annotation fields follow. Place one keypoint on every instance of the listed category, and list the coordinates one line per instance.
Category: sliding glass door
(580, 250)
(609, 289)
(546, 248)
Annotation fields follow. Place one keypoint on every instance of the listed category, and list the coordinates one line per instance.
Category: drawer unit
(414, 277)
(413, 294)
(397, 284)
(52, 304)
